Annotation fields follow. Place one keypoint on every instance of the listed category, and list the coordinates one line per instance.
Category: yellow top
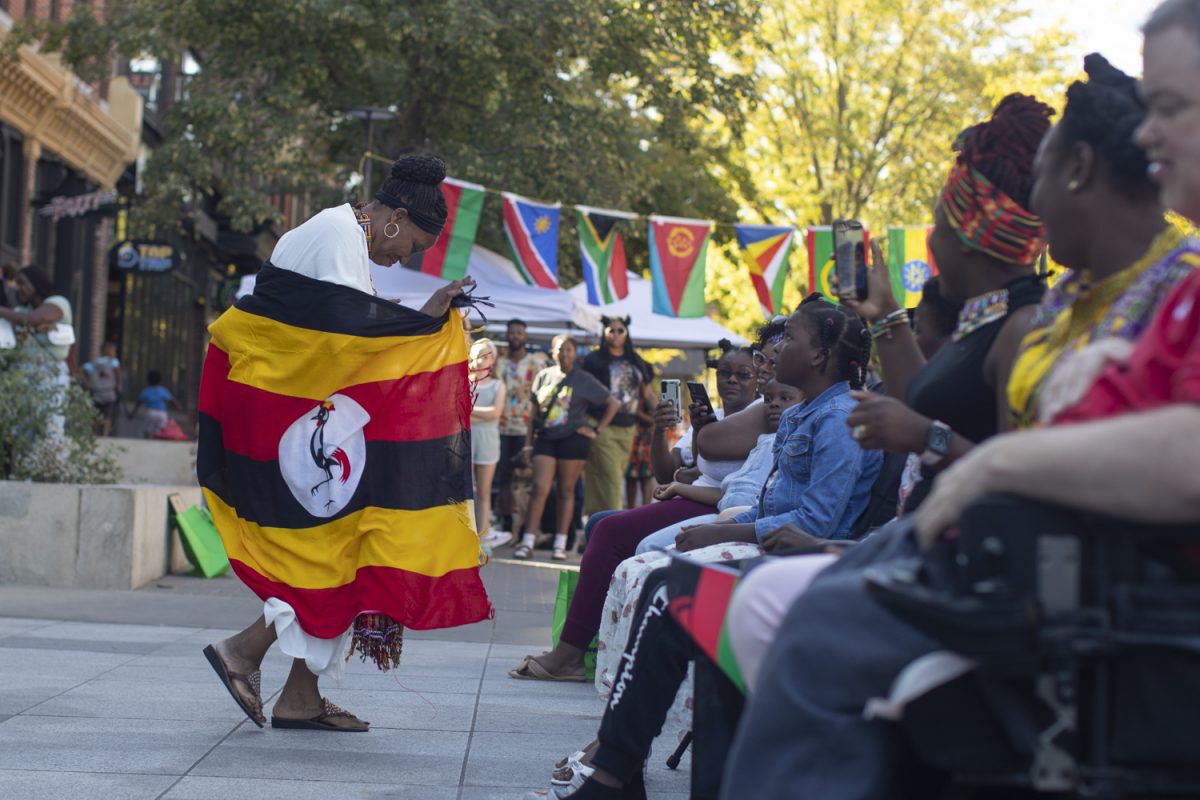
(1075, 313)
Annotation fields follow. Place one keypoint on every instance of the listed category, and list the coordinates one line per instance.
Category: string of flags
(678, 252)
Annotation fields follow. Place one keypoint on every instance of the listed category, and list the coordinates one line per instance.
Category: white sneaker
(495, 538)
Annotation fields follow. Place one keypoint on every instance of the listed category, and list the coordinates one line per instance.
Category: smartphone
(670, 393)
(850, 259)
(699, 394)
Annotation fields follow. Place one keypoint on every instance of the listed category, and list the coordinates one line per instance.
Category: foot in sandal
(242, 680)
(563, 663)
(329, 718)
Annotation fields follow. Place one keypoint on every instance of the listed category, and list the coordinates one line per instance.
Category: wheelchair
(1085, 633)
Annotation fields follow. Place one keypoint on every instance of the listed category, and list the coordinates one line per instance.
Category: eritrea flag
(678, 257)
(767, 249)
(335, 483)
(818, 239)
(532, 231)
(699, 596)
(449, 256)
(602, 249)
(910, 263)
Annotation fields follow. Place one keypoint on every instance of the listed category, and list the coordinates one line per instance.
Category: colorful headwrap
(988, 220)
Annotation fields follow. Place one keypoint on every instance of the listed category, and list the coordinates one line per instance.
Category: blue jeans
(666, 537)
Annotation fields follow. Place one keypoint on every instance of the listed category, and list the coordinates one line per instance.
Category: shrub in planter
(47, 430)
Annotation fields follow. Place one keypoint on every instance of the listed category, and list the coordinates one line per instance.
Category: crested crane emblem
(322, 455)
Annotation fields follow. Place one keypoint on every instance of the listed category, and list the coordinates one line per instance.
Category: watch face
(939, 439)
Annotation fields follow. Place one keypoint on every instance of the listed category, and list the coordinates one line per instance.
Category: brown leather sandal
(228, 676)
(321, 721)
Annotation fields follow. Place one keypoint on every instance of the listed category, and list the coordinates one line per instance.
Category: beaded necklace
(980, 311)
(364, 222)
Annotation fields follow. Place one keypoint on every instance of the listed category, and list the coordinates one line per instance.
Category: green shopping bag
(201, 541)
(567, 580)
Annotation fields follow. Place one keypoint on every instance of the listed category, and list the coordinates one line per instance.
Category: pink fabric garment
(760, 602)
(613, 540)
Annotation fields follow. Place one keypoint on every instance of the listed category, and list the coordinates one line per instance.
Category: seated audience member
(820, 480)
(815, 679)
(615, 537)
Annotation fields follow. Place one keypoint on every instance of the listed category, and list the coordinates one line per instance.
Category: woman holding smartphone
(560, 438)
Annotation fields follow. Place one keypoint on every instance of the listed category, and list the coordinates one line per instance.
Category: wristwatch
(937, 444)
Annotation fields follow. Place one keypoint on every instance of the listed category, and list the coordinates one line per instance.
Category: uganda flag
(699, 595)
(334, 455)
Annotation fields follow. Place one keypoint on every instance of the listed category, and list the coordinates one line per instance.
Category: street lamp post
(370, 114)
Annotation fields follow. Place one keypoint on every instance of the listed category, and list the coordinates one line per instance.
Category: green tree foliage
(579, 100)
(859, 104)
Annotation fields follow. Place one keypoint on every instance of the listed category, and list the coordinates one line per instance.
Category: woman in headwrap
(325, 465)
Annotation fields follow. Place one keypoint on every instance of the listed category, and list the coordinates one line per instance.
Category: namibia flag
(334, 455)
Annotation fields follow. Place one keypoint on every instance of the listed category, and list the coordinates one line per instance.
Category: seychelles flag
(532, 231)
(819, 241)
(678, 255)
(336, 484)
(767, 249)
(449, 256)
(910, 263)
(603, 253)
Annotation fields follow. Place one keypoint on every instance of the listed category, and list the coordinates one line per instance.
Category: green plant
(47, 430)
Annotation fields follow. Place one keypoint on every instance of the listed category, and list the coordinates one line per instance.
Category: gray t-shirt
(567, 411)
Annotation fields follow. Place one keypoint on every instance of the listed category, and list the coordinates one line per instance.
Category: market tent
(655, 330)
(498, 280)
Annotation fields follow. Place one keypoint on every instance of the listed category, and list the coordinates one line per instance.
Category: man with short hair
(517, 368)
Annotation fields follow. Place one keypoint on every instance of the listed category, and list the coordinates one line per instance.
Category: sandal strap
(253, 680)
(332, 710)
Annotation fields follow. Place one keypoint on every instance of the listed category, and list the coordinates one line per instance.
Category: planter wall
(97, 537)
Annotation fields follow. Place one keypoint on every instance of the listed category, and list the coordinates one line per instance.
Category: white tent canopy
(655, 330)
(498, 280)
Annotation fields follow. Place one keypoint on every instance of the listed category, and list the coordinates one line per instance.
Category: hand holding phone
(850, 259)
(670, 394)
(699, 394)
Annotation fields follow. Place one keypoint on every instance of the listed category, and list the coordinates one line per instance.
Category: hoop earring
(391, 235)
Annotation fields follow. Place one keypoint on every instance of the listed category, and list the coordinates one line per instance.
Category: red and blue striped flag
(532, 231)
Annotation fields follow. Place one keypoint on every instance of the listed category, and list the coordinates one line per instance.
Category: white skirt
(325, 658)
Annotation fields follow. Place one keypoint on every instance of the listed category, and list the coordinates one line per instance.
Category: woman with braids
(617, 365)
(1104, 221)
(819, 482)
(613, 536)
(985, 240)
(313, 429)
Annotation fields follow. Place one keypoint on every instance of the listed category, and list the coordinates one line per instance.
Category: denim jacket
(741, 488)
(822, 479)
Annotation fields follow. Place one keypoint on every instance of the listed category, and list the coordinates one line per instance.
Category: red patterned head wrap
(986, 196)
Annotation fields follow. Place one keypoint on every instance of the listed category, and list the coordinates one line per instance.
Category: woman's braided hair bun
(1003, 147)
(426, 169)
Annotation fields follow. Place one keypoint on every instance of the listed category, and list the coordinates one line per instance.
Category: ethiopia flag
(334, 455)
(699, 596)
(449, 256)
(602, 249)
(532, 231)
(910, 263)
(767, 248)
(678, 256)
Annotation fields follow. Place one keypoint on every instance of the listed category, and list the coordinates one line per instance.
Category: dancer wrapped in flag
(340, 492)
